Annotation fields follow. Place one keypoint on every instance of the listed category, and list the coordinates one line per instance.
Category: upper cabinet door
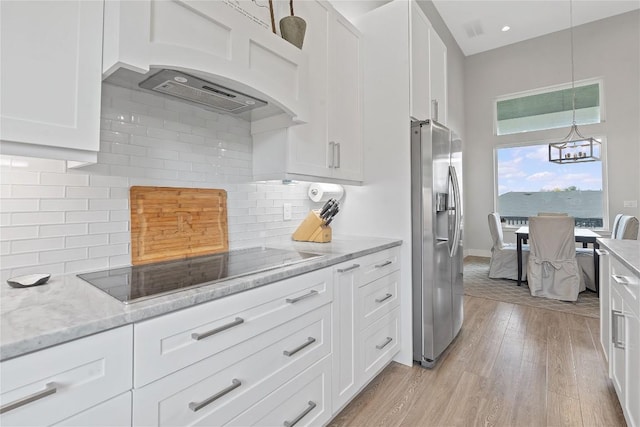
(345, 100)
(51, 57)
(438, 77)
(419, 96)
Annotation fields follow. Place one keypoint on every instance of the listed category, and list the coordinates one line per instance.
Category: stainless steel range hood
(212, 93)
(193, 89)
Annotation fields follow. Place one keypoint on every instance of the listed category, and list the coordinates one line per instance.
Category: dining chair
(625, 227)
(552, 267)
(504, 256)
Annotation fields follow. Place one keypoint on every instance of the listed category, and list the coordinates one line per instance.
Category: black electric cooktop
(136, 283)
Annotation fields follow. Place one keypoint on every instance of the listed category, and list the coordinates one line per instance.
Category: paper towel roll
(319, 192)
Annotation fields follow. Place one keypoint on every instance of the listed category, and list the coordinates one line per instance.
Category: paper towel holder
(319, 192)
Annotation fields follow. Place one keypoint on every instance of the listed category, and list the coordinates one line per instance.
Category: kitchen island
(67, 307)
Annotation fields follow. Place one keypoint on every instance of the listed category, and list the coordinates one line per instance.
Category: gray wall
(608, 49)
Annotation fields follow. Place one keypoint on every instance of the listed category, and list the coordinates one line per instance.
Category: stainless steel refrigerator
(436, 212)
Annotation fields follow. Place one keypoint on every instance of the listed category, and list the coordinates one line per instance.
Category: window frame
(605, 183)
(547, 89)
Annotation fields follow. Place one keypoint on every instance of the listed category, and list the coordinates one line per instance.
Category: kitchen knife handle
(198, 337)
(196, 406)
(49, 389)
(294, 300)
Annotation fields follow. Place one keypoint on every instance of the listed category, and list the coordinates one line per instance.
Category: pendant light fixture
(574, 148)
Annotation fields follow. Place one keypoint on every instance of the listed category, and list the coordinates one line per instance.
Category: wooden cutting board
(172, 223)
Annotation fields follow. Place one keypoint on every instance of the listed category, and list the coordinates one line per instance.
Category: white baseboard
(477, 252)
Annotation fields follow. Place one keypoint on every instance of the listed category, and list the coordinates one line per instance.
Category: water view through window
(528, 183)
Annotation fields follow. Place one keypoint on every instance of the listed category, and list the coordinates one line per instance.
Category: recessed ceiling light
(506, 28)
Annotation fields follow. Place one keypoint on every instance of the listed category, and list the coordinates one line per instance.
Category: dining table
(582, 235)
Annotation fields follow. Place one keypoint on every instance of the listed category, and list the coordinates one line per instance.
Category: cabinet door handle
(602, 252)
(49, 389)
(384, 264)
(301, 416)
(615, 337)
(196, 406)
(332, 146)
(384, 344)
(338, 162)
(621, 280)
(295, 300)
(229, 325)
(384, 298)
(344, 270)
(290, 353)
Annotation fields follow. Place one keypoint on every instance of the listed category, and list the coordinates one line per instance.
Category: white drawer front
(168, 343)
(380, 343)
(378, 298)
(627, 283)
(377, 265)
(83, 373)
(248, 371)
(115, 412)
(305, 400)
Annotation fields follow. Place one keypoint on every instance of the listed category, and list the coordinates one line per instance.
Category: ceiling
(476, 24)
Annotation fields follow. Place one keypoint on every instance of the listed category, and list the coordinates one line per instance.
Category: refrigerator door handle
(458, 217)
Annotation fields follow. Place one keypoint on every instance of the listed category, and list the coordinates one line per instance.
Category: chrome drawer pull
(384, 264)
(310, 341)
(621, 280)
(384, 298)
(196, 406)
(49, 389)
(344, 270)
(615, 315)
(602, 252)
(383, 345)
(203, 335)
(301, 416)
(294, 300)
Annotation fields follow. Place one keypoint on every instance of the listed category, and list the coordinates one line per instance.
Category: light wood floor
(511, 365)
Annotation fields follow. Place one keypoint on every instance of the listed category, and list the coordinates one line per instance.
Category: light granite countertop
(67, 307)
(627, 251)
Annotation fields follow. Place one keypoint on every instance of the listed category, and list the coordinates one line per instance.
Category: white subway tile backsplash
(87, 216)
(37, 218)
(64, 205)
(86, 240)
(37, 192)
(37, 245)
(63, 230)
(145, 140)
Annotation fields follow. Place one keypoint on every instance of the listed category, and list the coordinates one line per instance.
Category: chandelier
(574, 148)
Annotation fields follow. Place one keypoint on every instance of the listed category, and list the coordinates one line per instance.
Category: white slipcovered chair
(624, 227)
(504, 256)
(552, 268)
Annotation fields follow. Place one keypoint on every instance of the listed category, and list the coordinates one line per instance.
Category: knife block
(312, 229)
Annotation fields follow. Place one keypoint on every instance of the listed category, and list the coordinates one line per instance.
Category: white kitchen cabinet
(428, 68)
(212, 40)
(365, 319)
(329, 146)
(624, 356)
(51, 58)
(115, 412)
(219, 388)
(605, 301)
(54, 384)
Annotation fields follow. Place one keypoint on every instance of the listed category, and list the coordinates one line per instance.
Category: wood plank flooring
(511, 365)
